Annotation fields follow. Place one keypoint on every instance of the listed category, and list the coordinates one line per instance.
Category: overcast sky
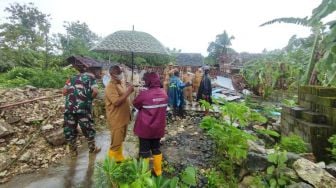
(188, 25)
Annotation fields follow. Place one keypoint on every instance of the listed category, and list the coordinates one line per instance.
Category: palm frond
(323, 10)
(290, 20)
(331, 24)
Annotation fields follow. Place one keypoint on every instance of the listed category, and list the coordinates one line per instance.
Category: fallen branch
(28, 101)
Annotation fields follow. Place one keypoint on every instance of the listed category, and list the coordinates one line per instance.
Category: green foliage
(332, 141)
(219, 49)
(78, 40)
(258, 182)
(51, 78)
(222, 176)
(188, 176)
(129, 173)
(230, 141)
(228, 168)
(161, 182)
(327, 64)
(214, 179)
(205, 104)
(275, 173)
(293, 143)
(132, 173)
(24, 39)
(26, 27)
(280, 69)
(169, 169)
(268, 132)
(241, 113)
(323, 42)
(289, 102)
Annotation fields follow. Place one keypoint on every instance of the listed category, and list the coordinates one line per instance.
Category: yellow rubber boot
(119, 155)
(116, 155)
(112, 154)
(157, 164)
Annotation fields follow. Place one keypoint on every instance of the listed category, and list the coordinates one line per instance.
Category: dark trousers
(85, 122)
(148, 147)
(179, 111)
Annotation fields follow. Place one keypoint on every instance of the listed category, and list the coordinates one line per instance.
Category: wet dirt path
(76, 172)
(184, 145)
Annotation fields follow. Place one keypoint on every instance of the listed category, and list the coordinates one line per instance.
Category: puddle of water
(77, 172)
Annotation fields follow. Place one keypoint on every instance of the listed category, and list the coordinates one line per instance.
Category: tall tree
(78, 39)
(23, 38)
(27, 27)
(220, 48)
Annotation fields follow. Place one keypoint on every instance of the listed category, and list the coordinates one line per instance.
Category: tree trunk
(313, 79)
(312, 60)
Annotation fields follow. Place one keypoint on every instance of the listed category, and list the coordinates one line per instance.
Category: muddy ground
(33, 150)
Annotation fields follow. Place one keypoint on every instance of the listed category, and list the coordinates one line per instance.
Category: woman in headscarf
(151, 120)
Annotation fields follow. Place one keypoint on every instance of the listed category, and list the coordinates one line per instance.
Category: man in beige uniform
(117, 111)
(168, 72)
(197, 80)
(187, 78)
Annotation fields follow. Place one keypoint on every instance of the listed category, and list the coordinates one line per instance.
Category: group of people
(181, 90)
(151, 104)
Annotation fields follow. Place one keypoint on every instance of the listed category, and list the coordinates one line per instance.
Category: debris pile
(31, 134)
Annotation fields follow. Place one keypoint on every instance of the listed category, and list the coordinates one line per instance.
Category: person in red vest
(151, 120)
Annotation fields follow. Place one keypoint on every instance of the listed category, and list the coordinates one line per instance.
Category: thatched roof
(130, 41)
(189, 59)
(80, 61)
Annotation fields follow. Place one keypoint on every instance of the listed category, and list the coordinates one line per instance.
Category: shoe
(72, 149)
(73, 153)
(117, 155)
(95, 150)
(157, 164)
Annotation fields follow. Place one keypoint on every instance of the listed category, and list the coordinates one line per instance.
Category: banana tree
(326, 8)
(327, 64)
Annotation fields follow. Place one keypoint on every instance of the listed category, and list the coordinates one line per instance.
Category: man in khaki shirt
(197, 79)
(188, 78)
(167, 73)
(117, 111)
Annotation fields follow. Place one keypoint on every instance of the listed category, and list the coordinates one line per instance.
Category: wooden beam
(28, 101)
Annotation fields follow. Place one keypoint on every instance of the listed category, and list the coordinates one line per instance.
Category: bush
(332, 141)
(136, 173)
(293, 143)
(49, 78)
(276, 175)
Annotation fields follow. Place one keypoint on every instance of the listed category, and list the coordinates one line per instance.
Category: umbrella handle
(132, 66)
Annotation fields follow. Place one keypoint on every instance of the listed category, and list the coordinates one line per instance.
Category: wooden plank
(29, 101)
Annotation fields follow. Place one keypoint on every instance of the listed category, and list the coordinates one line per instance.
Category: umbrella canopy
(134, 42)
(131, 41)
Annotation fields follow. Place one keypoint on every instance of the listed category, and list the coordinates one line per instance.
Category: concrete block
(314, 117)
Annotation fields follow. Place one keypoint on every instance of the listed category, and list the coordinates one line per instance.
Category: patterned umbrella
(134, 42)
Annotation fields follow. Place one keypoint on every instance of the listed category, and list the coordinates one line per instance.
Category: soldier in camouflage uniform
(79, 92)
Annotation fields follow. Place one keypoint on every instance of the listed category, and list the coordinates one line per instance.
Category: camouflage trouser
(85, 122)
